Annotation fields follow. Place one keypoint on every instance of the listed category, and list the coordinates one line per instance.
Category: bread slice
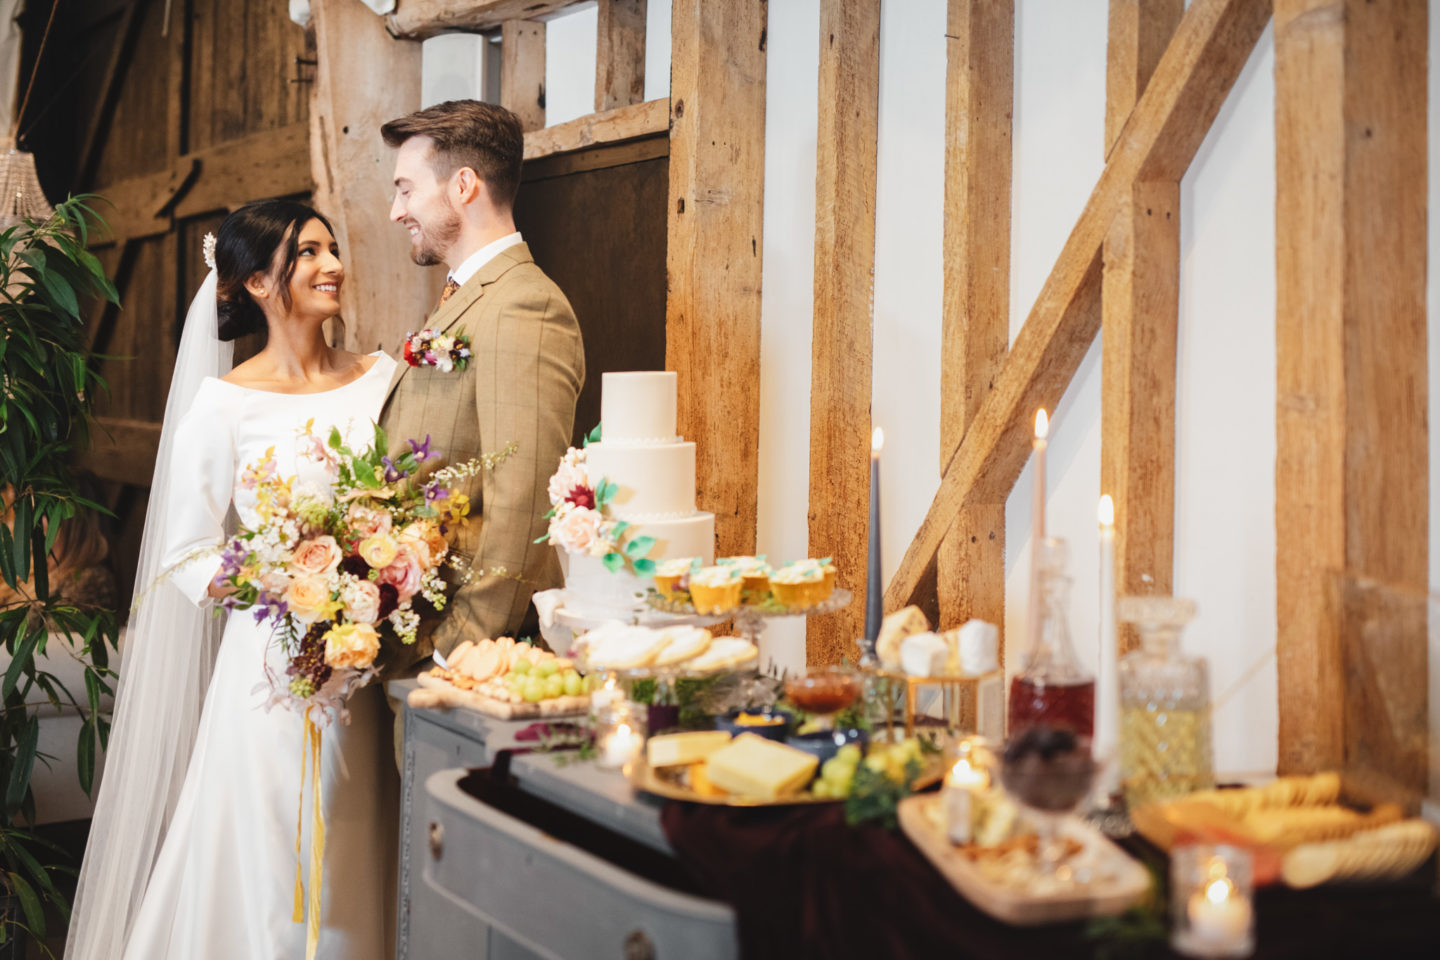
(682, 644)
(723, 653)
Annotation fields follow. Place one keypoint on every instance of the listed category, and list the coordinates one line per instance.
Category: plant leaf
(639, 547)
(613, 562)
(644, 567)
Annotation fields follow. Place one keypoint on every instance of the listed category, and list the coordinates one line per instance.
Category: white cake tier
(638, 407)
(593, 591)
(655, 482)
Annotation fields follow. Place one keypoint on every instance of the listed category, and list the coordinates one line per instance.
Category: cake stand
(750, 620)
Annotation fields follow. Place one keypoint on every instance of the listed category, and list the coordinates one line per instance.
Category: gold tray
(666, 784)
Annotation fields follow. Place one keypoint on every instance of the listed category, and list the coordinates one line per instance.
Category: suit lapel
(460, 302)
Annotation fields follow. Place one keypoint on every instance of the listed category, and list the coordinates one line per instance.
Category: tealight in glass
(1212, 901)
(620, 731)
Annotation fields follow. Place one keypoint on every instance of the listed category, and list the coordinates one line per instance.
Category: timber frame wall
(1352, 469)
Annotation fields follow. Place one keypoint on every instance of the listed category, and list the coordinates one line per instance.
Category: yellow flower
(308, 598)
(379, 550)
(351, 645)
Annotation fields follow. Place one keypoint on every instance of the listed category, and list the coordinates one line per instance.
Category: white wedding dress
(224, 882)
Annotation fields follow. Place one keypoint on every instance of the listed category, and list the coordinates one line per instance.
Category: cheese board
(437, 692)
(1098, 879)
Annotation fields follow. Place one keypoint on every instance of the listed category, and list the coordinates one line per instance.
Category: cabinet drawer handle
(437, 839)
(638, 946)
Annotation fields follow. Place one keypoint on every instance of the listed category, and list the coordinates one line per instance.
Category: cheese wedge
(752, 766)
(675, 749)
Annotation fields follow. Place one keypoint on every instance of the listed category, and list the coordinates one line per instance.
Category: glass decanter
(1164, 706)
(1052, 688)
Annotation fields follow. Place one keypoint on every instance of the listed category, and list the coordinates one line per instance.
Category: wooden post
(619, 54)
(366, 78)
(522, 71)
(844, 290)
(712, 306)
(1351, 474)
(979, 98)
(1141, 304)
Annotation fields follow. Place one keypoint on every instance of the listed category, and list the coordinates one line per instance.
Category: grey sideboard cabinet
(477, 882)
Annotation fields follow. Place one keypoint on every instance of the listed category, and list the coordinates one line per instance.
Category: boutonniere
(442, 351)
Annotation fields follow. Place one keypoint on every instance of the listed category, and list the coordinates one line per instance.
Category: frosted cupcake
(672, 577)
(801, 585)
(755, 573)
(716, 589)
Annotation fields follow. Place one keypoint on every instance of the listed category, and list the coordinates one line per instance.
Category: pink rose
(571, 474)
(404, 573)
(576, 530)
(362, 601)
(315, 557)
(367, 521)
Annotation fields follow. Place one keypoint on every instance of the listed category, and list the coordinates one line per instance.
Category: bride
(193, 848)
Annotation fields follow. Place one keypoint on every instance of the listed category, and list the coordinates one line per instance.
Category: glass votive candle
(605, 694)
(619, 734)
(966, 780)
(1212, 901)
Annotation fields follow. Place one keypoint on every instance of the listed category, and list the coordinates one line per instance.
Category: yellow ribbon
(310, 744)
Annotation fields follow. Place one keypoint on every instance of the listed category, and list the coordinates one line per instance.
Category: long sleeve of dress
(202, 480)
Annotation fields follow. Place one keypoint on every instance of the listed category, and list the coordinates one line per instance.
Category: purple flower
(422, 450)
(435, 492)
(392, 472)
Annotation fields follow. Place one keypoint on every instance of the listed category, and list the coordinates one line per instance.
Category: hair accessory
(207, 250)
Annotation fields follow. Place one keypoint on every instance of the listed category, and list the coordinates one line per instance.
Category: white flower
(571, 474)
(575, 530)
(443, 363)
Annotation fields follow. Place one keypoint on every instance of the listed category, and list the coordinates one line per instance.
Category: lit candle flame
(1042, 425)
(1218, 891)
(877, 440)
(622, 731)
(1106, 511)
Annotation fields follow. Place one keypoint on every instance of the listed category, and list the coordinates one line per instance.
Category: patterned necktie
(450, 287)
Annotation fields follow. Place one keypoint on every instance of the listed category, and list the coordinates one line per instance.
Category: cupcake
(827, 569)
(801, 585)
(672, 577)
(716, 589)
(755, 573)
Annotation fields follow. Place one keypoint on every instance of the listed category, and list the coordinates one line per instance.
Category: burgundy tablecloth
(805, 885)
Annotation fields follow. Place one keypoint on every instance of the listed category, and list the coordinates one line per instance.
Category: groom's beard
(435, 239)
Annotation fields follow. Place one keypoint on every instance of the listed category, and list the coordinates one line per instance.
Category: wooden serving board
(1126, 881)
(663, 783)
(437, 693)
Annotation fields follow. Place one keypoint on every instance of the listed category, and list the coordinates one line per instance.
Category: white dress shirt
(484, 255)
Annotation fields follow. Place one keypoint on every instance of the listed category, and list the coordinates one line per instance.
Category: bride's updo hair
(247, 243)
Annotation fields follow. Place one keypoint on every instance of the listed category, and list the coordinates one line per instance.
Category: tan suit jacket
(525, 372)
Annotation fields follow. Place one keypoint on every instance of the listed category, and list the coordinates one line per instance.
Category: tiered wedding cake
(647, 475)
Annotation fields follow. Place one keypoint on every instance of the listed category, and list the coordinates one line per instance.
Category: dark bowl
(770, 731)
(824, 744)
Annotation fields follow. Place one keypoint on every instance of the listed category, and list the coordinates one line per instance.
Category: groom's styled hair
(467, 133)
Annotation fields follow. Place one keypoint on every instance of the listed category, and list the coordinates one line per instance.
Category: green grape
(572, 672)
(821, 788)
(572, 684)
(850, 753)
(554, 686)
(546, 668)
(534, 690)
(522, 666)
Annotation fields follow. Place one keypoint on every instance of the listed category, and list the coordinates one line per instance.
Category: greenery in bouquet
(342, 566)
(580, 523)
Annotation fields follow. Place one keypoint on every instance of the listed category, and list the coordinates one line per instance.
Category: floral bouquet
(338, 568)
(579, 522)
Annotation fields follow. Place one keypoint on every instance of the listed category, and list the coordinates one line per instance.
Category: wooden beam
(126, 32)
(1195, 74)
(619, 54)
(1139, 33)
(595, 158)
(1351, 473)
(365, 78)
(612, 126)
(121, 450)
(1141, 294)
(522, 71)
(843, 334)
(420, 19)
(268, 164)
(979, 99)
(713, 253)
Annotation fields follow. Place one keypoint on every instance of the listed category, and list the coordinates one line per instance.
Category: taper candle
(1107, 689)
(874, 594)
(1037, 526)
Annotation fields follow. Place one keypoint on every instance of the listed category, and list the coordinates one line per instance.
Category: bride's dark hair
(245, 245)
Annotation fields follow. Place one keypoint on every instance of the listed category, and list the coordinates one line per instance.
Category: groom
(457, 170)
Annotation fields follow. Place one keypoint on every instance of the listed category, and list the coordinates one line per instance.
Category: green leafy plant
(49, 390)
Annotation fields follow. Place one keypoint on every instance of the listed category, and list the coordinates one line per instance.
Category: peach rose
(362, 601)
(367, 521)
(379, 550)
(315, 557)
(351, 645)
(308, 598)
(404, 573)
(576, 530)
(413, 536)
